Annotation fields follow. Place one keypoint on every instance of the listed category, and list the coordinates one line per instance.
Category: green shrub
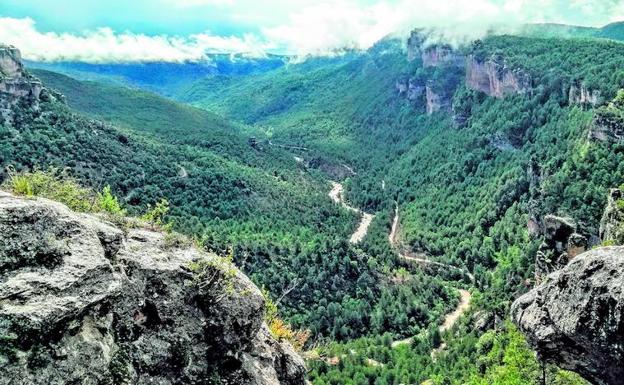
(108, 203)
(59, 186)
(52, 184)
(156, 215)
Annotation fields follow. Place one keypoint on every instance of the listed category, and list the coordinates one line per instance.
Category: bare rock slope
(15, 83)
(575, 318)
(83, 302)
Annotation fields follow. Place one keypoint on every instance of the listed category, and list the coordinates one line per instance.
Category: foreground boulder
(575, 318)
(82, 302)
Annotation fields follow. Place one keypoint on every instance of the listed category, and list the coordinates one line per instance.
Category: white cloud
(324, 27)
(104, 45)
(198, 3)
(305, 26)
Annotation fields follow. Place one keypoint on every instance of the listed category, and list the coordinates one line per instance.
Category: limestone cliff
(436, 101)
(561, 244)
(15, 83)
(608, 122)
(612, 221)
(575, 317)
(495, 78)
(441, 56)
(415, 43)
(412, 89)
(581, 95)
(83, 302)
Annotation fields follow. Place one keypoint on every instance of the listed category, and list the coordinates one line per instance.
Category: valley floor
(337, 195)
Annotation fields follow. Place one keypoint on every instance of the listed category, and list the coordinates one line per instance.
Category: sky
(101, 31)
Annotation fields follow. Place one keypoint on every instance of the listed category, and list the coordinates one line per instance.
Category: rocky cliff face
(581, 95)
(494, 78)
(608, 124)
(436, 101)
(575, 318)
(561, 244)
(414, 44)
(412, 89)
(15, 83)
(611, 224)
(441, 56)
(83, 302)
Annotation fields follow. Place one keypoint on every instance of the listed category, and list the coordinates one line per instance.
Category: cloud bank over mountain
(299, 27)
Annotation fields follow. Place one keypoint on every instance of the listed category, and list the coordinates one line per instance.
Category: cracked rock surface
(82, 302)
(575, 318)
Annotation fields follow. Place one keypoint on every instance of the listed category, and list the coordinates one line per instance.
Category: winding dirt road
(411, 256)
(337, 195)
(449, 320)
(422, 258)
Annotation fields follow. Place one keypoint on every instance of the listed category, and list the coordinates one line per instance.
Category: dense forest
(465, 190)
(254, 201)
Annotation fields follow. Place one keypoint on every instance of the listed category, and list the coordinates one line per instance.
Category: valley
(480, 168)
(336, 194)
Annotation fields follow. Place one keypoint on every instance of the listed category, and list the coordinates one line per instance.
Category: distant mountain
(614, 31)
(163, 77)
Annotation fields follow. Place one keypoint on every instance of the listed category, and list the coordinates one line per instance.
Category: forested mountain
(229, 193)
(476, 145)
(486, 166)
(611, 31)
(164, 77)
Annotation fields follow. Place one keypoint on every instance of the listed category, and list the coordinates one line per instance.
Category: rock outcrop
(561, 244)
(494, 78)
(412, 89)
(441, 56)
(575, 318)
(611, 224)
(436, 101)
(15, 83)
(581, 95)
(83, 302)
(415, 43)
(608, 124)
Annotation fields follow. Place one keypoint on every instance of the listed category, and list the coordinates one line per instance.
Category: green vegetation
(465, 192)
(272, 212)
(59, 186)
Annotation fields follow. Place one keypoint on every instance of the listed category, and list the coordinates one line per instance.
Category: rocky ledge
(495, 78)
(15, 83)
(575, 318)
(83, 302)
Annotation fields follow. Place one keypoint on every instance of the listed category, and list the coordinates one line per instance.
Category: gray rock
(15, 83)
(612, 218)
(575, 318)
(495, 78)
(582, 96)
(483, 320)
(442, 56)
(607, 125)
(561, 244)
(82, 302)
